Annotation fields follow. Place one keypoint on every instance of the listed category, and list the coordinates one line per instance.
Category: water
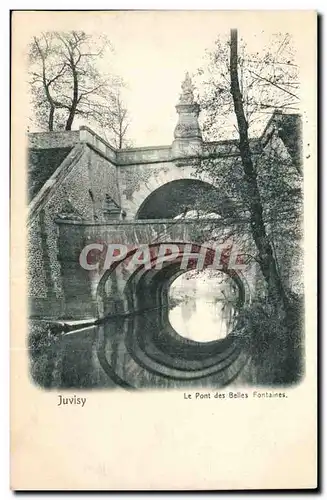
(147, 349)
(202, 319)
(116, 353)
(202, 305)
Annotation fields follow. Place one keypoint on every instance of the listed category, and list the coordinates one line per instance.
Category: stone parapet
(135, 156)
(49, 140)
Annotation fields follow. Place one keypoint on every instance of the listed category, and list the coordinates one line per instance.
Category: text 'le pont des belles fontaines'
(235, 395)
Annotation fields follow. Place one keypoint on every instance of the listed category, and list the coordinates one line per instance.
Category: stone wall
(137, 182)
(94, 140)
(135, 156)
(94, 170)
(92, 288)
(83, 187)
(47, 140)
(283, 176)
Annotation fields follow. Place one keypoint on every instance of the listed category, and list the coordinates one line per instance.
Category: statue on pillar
(187, 133)
(187, 95)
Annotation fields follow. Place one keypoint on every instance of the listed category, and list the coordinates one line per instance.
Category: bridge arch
(177, 197)
(137, 339)
(146, 286)
(148, 338)
(137, 187)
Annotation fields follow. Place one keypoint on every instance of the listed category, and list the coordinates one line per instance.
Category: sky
(154, 50)
(153, 59)
(154, 67)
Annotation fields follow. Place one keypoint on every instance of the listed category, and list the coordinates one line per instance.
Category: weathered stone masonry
(97, 184)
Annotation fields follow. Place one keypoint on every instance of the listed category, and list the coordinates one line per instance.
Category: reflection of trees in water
(227, 306)
(225, 310)
(203, 319)
(203, 298)
(188, 308)
(207, 298)
(180, 298)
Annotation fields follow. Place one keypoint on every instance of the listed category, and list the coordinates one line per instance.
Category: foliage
(115, 122)
(42, 337)
(274, 344)
(268, 80)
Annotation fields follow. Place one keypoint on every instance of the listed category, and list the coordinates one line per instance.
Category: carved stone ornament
(187, 95)
(69, 212)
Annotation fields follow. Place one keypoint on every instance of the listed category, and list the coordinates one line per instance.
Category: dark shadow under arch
(177, 197)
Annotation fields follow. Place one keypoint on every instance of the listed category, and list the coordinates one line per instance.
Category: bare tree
(116, 121)
(66, 82)
(253, 199)
(268, 81)
(261, 191)
(260, 188)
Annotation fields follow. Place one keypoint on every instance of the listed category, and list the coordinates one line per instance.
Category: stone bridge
(84, 192)
(100, 290)
(136, 345)
(82, 185)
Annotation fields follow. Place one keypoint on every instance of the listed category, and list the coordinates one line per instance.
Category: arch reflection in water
(203, 305)
(139, 351)
(142, 349)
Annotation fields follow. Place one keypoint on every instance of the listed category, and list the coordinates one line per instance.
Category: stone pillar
(188, 141)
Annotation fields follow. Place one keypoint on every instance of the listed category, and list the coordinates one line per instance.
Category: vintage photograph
(165, 205)
(163, 250)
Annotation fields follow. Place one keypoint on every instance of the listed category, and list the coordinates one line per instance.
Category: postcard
(163, 250)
